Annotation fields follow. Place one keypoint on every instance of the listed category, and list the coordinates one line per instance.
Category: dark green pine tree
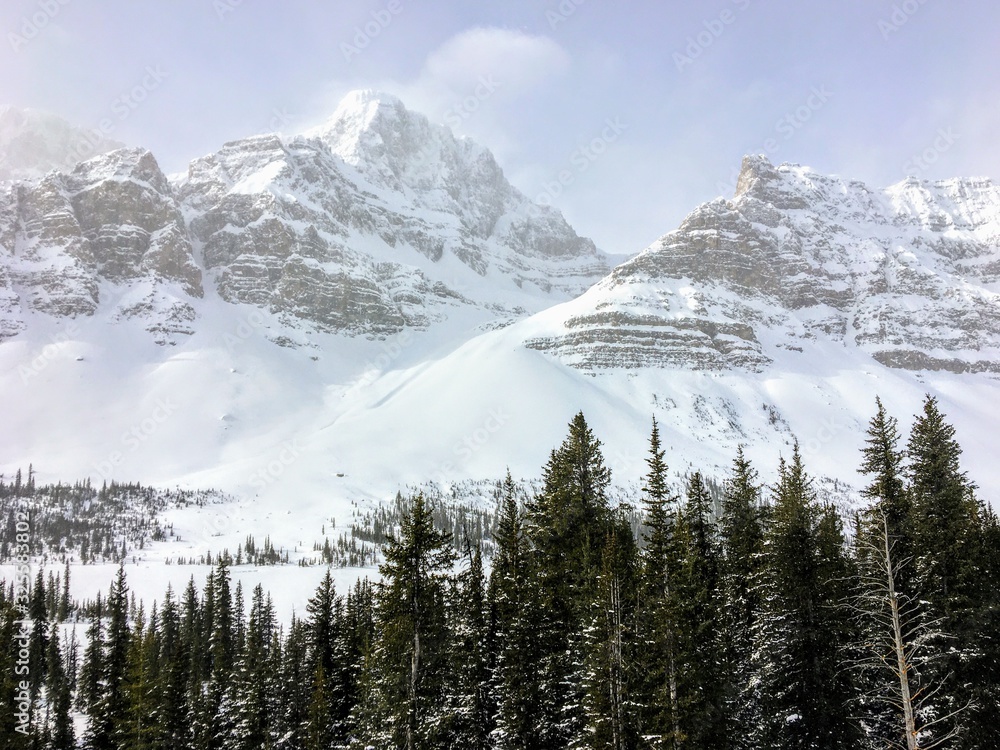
(322, 634)
(222, 644)
(92, 669)
(298, 688)
(945, 514)
(194, 645)
(468, 699)
(888, 511)
(882, 461)
(60, 697)
(800, 640)
(986, 622)
(108, 715)
(515, 683)
(214, 710)
(657, 623)
(140, 727)
(702, 679)
(174, 669)
(39, 643)
(567, 525)
(319, 727)
(252, 695)
(334, 655)
(949, 561)
(742, 535)
(357, 633)
(611, 681)
(837, 575)
(412, 658)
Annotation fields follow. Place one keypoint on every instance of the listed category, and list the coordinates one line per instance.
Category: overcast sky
(624, 115)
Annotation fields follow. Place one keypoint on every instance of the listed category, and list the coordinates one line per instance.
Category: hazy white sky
(624, 115)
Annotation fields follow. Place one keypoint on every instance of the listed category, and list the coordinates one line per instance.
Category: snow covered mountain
(330, 316)
(375, 222)
(908, 275)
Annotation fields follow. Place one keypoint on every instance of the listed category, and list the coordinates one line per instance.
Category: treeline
(761, 626)
(80, 522)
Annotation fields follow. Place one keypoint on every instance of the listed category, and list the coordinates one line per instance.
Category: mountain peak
(755, 169)
(363, 122)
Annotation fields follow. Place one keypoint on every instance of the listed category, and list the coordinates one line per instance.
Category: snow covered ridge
(908, 275)
(376, 222)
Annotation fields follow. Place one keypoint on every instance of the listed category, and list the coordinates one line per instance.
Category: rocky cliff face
(374, 222)
(908, 274)
(112, 219)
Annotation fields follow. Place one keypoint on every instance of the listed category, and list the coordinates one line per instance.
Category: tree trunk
(903, 667)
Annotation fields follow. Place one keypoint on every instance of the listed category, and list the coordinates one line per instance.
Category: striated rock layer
(908, 274)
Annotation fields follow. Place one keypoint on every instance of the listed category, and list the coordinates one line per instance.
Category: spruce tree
(800, 635)
(742, 537)
(139, 728)
(298, 689)
(60, 697)
(949, 557)
(657, 625)
(469, 702)
(39, 643)
(610, 681)
(882, 461)
(174, 668)
(251, 696)
(411, 660)
(109, 712)
(567, 525)
(702, 683)
(515, 683)
(92, 670)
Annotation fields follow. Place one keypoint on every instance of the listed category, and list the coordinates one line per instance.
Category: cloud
(520, 62)
(474, 82)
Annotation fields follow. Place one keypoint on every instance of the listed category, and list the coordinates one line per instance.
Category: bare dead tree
(900, 645)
